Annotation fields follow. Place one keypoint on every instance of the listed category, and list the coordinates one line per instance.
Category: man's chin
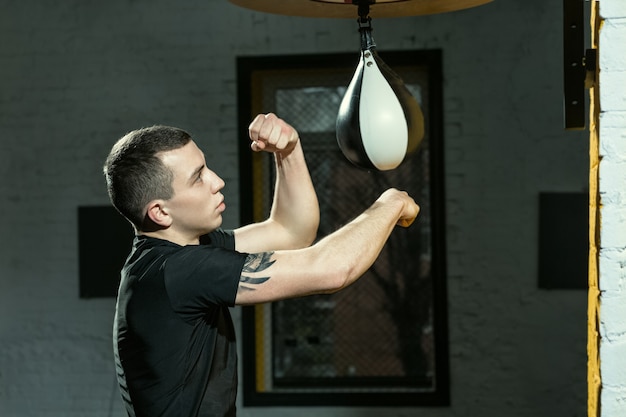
(216, 225)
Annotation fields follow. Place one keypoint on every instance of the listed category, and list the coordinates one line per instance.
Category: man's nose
(218, 183)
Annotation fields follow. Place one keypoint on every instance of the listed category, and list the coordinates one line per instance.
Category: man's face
(197, 204)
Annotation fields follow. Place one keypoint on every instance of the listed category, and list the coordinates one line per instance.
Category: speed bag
(379, 122)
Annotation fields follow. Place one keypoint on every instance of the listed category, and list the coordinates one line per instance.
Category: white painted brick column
(612, 190)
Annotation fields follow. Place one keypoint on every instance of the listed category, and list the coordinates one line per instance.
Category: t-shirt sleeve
(199, 277)
(219, 238)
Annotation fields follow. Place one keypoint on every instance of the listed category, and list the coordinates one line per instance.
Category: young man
(173, 336)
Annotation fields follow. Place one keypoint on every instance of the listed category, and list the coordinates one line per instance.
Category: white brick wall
(612, 188)
(75, 75)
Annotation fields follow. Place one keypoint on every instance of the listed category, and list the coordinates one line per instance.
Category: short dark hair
(134, 173)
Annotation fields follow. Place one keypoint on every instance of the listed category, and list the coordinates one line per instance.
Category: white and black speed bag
(379, 122)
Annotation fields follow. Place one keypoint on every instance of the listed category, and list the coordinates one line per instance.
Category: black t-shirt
(173, 336)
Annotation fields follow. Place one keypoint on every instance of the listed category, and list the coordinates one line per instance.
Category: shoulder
(147, 250)
(219, 238)
(197, 276)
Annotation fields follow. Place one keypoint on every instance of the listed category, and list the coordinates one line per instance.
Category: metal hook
(365, 23)
(364, 9)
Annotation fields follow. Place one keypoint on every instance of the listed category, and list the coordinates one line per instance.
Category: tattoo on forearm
(255, 262)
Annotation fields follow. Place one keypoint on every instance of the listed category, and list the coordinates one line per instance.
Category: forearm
(352, 250)
(294, 216)
(295, 206)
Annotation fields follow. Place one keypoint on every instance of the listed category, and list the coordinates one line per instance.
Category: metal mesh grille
(379, 329)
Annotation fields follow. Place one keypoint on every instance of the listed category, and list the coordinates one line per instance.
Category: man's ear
(158, 213)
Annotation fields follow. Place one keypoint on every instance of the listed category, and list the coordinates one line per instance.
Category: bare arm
(294, 217)
(331, 264)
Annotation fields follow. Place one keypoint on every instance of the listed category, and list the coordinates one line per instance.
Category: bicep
(262, 237)
(272, 276)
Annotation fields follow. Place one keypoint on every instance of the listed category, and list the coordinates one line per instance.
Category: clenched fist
(270, 133)
(409, 209)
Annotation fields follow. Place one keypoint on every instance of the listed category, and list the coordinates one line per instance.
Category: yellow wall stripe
(593, 311)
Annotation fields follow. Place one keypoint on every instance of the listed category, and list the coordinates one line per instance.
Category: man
(174, 340)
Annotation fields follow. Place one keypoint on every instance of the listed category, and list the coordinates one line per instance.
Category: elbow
(310, 237)
(301, 241)
(338, 279)
(312, 228)
(306, 238)
(298, 232)
(331, 270)
(310, 234)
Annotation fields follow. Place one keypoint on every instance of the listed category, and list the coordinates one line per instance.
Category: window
(382, 341)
